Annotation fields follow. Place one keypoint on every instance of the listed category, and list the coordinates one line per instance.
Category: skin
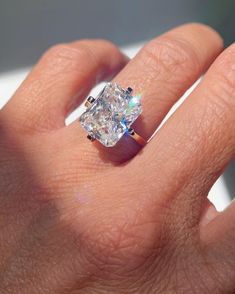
(76, 217)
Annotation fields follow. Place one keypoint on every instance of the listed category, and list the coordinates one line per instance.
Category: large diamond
(111, 115)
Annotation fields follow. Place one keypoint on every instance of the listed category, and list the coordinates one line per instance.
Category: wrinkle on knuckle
(102, 43)
(221, 98)
(173, 56)
(224, 87)
(224, 75)
(64, 57)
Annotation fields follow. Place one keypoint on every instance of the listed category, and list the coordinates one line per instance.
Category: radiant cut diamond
(111, 115)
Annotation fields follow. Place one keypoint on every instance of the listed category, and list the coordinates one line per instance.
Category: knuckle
(222, 86)
(66, 56)
(66, 50)
(225, 70)
(200, 27)
(74, 53)
(103, 43)
(171, 56)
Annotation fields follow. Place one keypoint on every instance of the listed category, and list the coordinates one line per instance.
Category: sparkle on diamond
(110, 116)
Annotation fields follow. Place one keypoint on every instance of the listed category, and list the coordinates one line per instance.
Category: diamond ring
(110, 115)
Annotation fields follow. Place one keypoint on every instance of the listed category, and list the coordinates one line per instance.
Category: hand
(76, 217)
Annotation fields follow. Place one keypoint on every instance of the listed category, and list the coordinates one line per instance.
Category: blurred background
(29, 27)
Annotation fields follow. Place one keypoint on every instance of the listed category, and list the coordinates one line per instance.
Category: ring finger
(162, 71)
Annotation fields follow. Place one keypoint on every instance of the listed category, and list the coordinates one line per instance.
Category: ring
(110, 115)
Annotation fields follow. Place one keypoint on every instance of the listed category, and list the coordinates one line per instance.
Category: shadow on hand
(36, 242)
(121, 153)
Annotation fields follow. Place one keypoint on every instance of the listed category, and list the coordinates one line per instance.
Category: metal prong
(129, 90)
(89, 137)
(90, 100)
(141, 141)
(131, 132)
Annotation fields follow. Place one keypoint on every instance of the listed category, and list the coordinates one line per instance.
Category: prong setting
(141, 141)
(109, 116)
(131, 132)
(129, 90)
(90, 100)
(89, 137)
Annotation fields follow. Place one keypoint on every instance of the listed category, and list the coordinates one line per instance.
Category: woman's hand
(76, 217)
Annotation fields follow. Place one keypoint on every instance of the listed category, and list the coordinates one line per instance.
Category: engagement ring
(110, 115)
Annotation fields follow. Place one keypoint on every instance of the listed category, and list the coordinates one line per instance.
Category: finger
(61, 79)
(162, 71)
(218, 243)
(197, 142)
(166, 68)
(208, 214)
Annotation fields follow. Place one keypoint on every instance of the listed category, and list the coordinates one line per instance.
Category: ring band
(110, 115)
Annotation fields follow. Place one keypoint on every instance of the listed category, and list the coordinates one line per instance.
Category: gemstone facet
(111, 114)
